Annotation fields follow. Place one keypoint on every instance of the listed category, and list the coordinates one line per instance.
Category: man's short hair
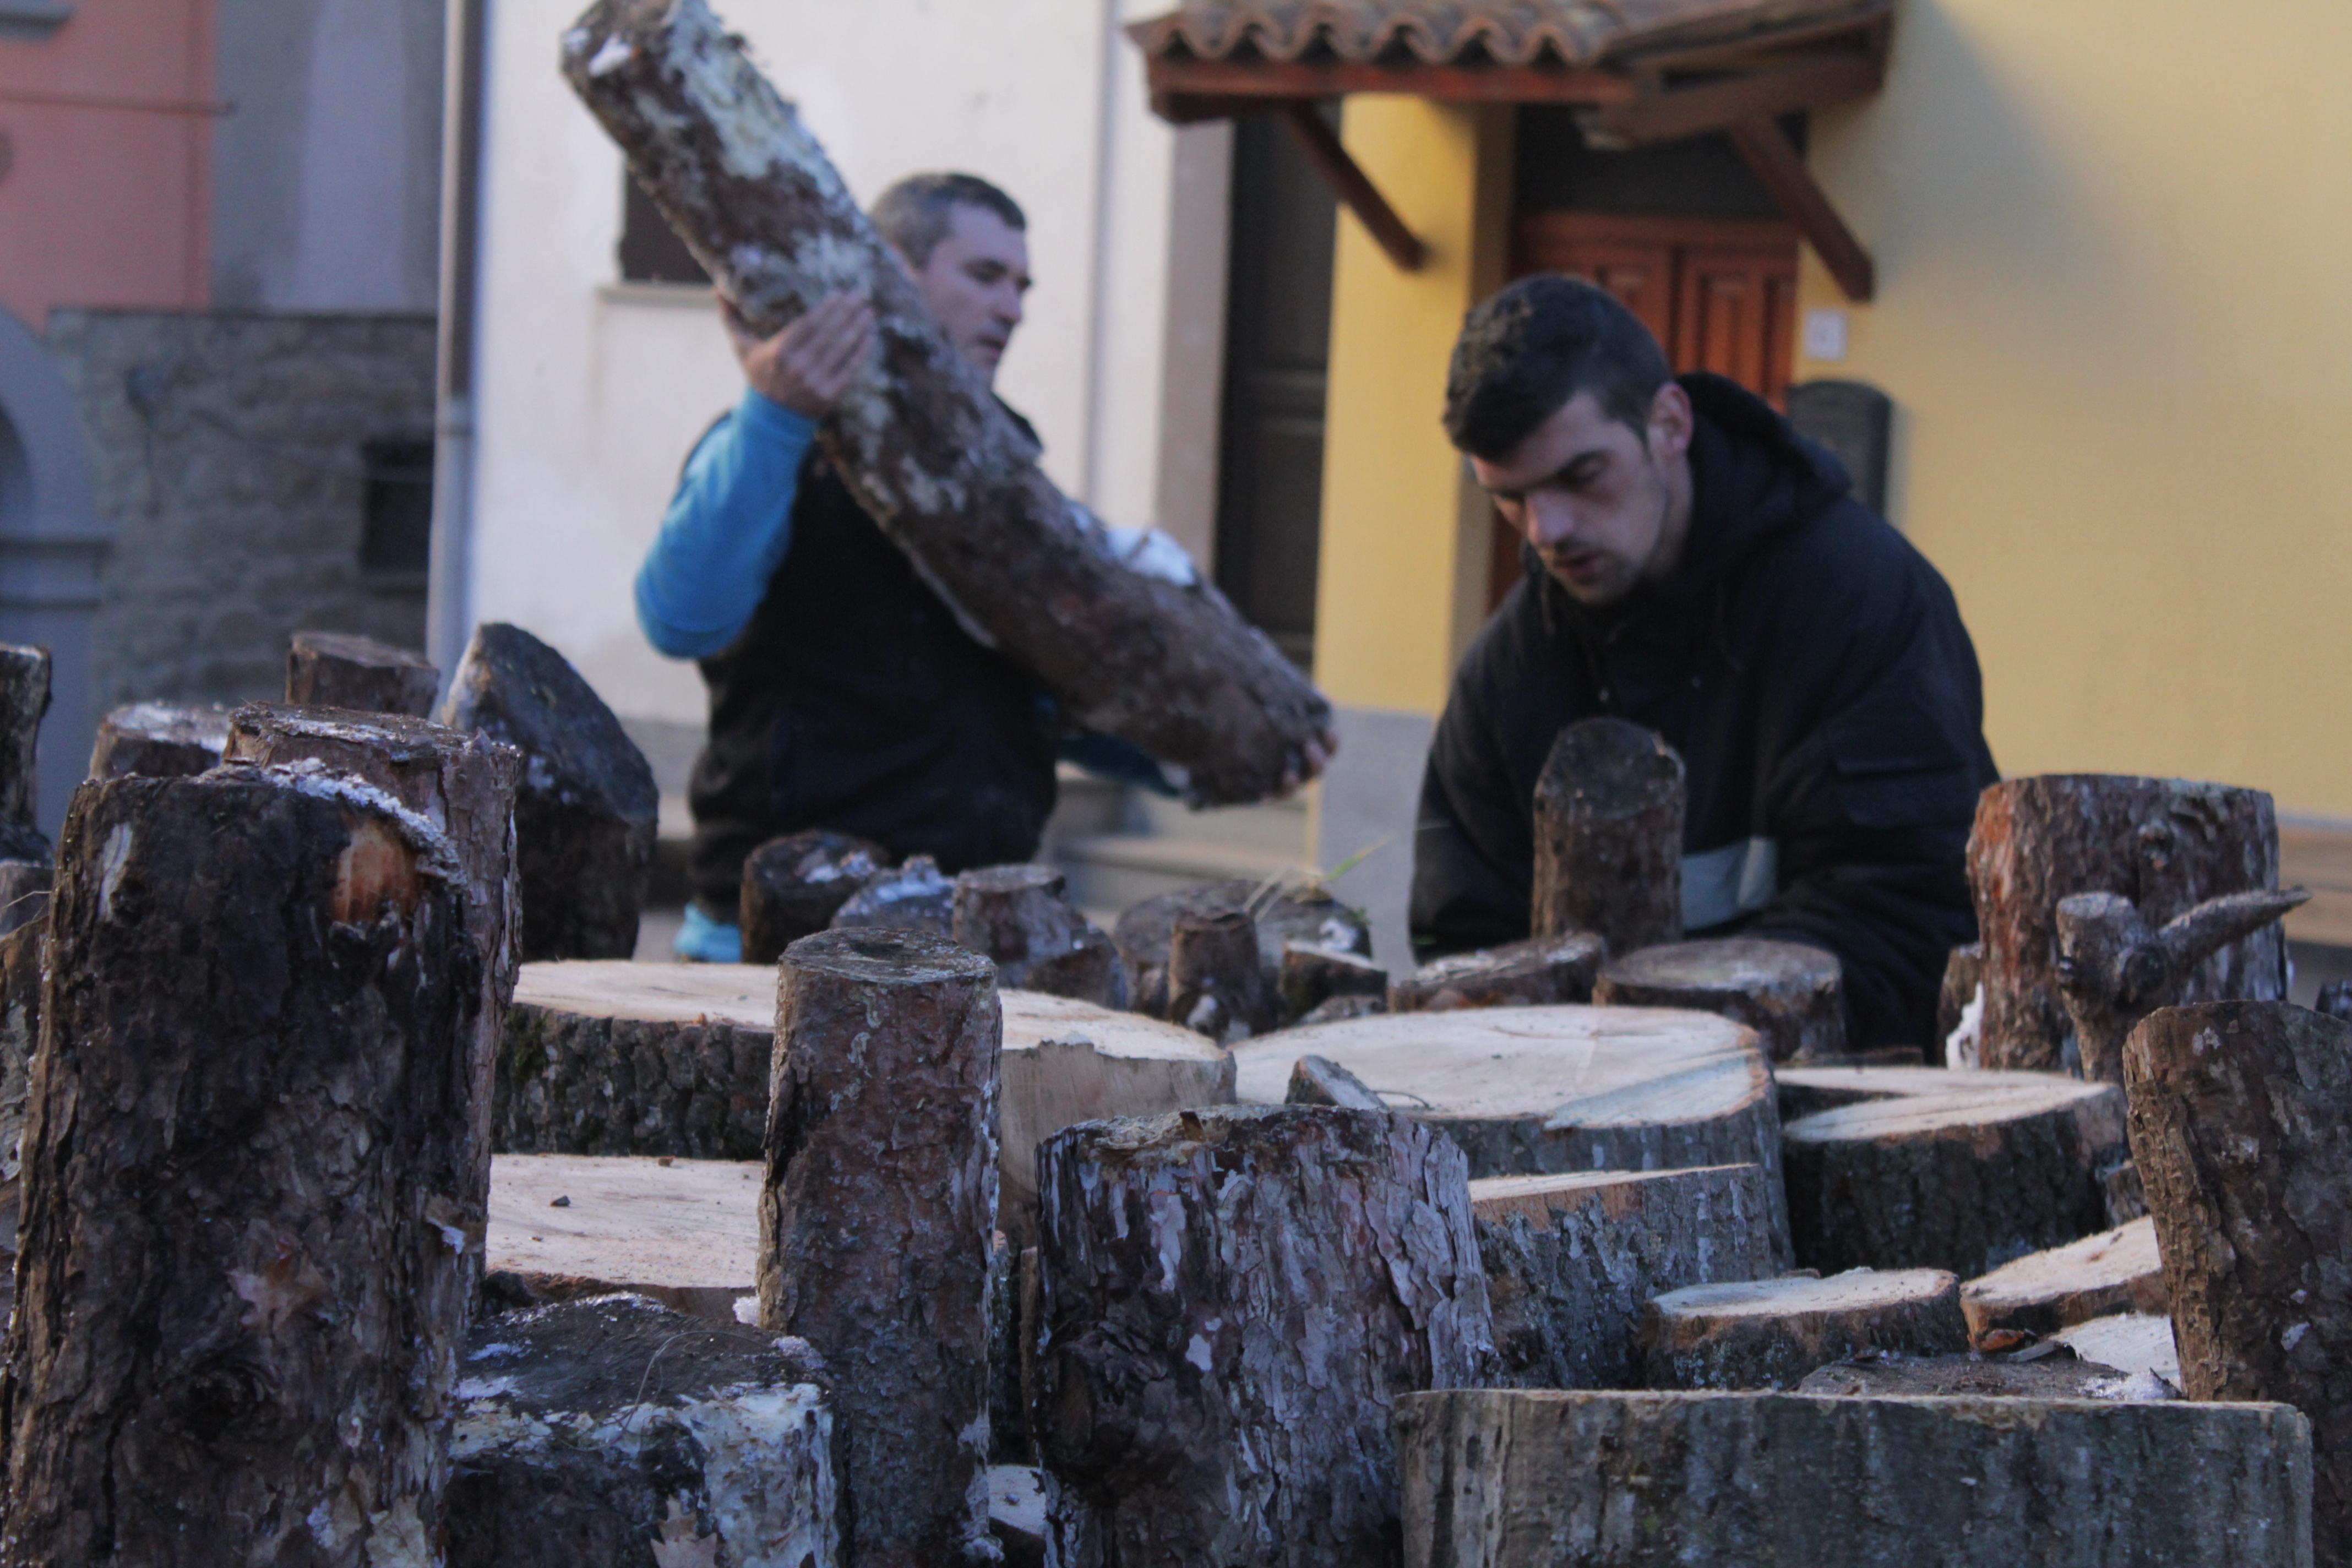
(914, 213)
(1524, 353)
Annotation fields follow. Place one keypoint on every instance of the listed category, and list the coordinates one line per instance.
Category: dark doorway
(1278, 347)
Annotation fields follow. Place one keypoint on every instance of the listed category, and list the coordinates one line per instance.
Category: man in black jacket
(1695, 567)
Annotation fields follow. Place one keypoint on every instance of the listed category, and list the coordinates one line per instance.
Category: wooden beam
(1353, 187)
(1174, 81)
(1783, 173)
(1668, 112)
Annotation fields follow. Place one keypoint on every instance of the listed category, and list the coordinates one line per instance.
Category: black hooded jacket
(1811, 668)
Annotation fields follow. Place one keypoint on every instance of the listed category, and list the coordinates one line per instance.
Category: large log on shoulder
(926, 450)
(2242, 1128)
(1519, 1478)
(254, 1179)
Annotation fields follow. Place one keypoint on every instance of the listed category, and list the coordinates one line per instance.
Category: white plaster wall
(590, 394)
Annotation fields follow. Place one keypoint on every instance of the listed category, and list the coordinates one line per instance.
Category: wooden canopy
(1639, 70)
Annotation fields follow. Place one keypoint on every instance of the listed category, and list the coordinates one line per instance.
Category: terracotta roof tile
(1438, 32)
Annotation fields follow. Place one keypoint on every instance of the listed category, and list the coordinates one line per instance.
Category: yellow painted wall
(2115, 258)
(1402, 580)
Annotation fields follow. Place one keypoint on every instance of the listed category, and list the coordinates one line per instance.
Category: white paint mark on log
(111, 863)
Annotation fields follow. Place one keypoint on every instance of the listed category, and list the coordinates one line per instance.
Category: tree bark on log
(1500, 1478)
(684, 1233)
(1770, 1333)
(1020, 918)
(1570, 1260)
(1232, 1300)
(1147, 930)
(2114, 969)
(2242, 1128)
(1536, 972)
(1962, 989)
(619, 1434)
(2049, 1376)
(912, 897)
(24, 892)
(1318, 1080)
(254, 1180)
(927, 453)
(1217, 982)
(1311, 976)
(1977, 1170)
(1608, 836)
(2164, 844)
(585, 812)
(875, 1224)
(2114, 1271)
(1790, 993)
(1543, 1090)
(335, 669)
(794, 885)
(156, 740)
(24, 698)
(22, 953)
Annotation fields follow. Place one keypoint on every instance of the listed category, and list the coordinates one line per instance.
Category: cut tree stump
(794, 885)
(615, 1432)
(1217, 982)
(912, 897)
(2114, 969)
(2052, 1375)
(2242, 1128)
(875, 1224)
(1769, 1334)
(1020, 918)
(1959, 1003)
(255, 1185)
(1232, 1300)
(933, 459)
(1572, 1259)
(2164, 843)
(1949, 1170)
(585, 815)
(156, 740)
(684, 1233)
(1143, 934)
(1316, 1081)
(1509, 1479)
(1790, 993)
(335, 669)
(1608, 836)
(1543, 1090)
(1536, 972)
(2114, 1271)
(24, 698)
(1310, 976)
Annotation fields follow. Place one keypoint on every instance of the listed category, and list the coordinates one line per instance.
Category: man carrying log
(1694, 565)
(844, 693)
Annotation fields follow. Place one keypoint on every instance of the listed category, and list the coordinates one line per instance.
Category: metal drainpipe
(448, 589)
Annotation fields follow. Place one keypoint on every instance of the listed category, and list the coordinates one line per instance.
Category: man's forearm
(727, 530)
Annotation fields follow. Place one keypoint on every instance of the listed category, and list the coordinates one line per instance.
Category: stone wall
(229, 453)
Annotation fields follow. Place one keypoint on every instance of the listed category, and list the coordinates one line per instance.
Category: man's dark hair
(1526, 352)
(914, 213)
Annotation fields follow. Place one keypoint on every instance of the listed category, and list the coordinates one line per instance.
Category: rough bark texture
(619, 1434)
(24, 892)
(2164, 844)
(1963, 982)
(585, 812)
(1217, 984)
(1608, 836)
(24, 698)
(333, 670)
(913, 896)
(1145, 930)
(2335, 999)
(254, 1176)
(794, 885)
(1311, 976)
(1020, 918)
(1570, 1261)
(22, 953)
(1954, 1169)
(1520, 1480)
(1535, 972)
(1542, 1090)
(2053, 1375)
(2114, 1271)
(875, 1224)
(918, 439)
(1769, 1334)
(2242, 1128)
(2115, 969)
(1786, 992)
(1316, 1080)
(154, 740)
(1232, 1300)
(684, 1233)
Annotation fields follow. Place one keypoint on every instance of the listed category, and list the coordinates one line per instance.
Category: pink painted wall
(105, 194)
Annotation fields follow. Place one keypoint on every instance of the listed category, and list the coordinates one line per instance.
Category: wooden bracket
(1353, 186)
(1782, 171)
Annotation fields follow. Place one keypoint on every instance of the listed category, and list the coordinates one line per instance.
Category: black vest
(853, 700)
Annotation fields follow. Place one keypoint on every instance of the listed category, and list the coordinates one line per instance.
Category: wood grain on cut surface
(1770, 1333)
(2114, 1271)
(684, 1232)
